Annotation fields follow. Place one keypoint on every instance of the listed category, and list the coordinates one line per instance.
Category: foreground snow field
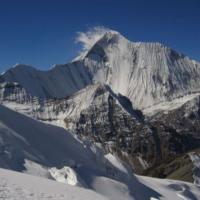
(19, 186)
(52, 152)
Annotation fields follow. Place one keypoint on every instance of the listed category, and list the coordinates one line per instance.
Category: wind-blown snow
(14, 185)
(89, 38)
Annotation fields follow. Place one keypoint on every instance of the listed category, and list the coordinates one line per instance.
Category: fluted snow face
(147, 73)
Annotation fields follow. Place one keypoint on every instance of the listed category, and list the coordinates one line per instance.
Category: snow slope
(18, 186)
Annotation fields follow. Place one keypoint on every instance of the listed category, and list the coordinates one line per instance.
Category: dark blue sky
(42, 32)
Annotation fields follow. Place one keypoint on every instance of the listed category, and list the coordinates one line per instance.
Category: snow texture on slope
(89, 38)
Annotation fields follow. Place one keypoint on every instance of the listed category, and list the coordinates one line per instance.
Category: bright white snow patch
(64, 175)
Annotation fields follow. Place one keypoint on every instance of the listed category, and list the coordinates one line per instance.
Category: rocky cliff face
(142, 143)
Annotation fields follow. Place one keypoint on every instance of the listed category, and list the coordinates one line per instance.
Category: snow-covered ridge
(60, 81)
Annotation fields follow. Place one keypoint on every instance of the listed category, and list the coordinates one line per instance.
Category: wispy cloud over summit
(89, 38)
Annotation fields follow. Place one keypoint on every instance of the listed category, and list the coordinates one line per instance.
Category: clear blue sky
(42, 32)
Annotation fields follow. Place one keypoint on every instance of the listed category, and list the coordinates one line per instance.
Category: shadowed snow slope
(23, 137)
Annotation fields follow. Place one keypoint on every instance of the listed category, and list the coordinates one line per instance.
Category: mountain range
(119, 109)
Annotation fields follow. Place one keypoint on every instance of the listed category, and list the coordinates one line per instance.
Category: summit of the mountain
(147, 73)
